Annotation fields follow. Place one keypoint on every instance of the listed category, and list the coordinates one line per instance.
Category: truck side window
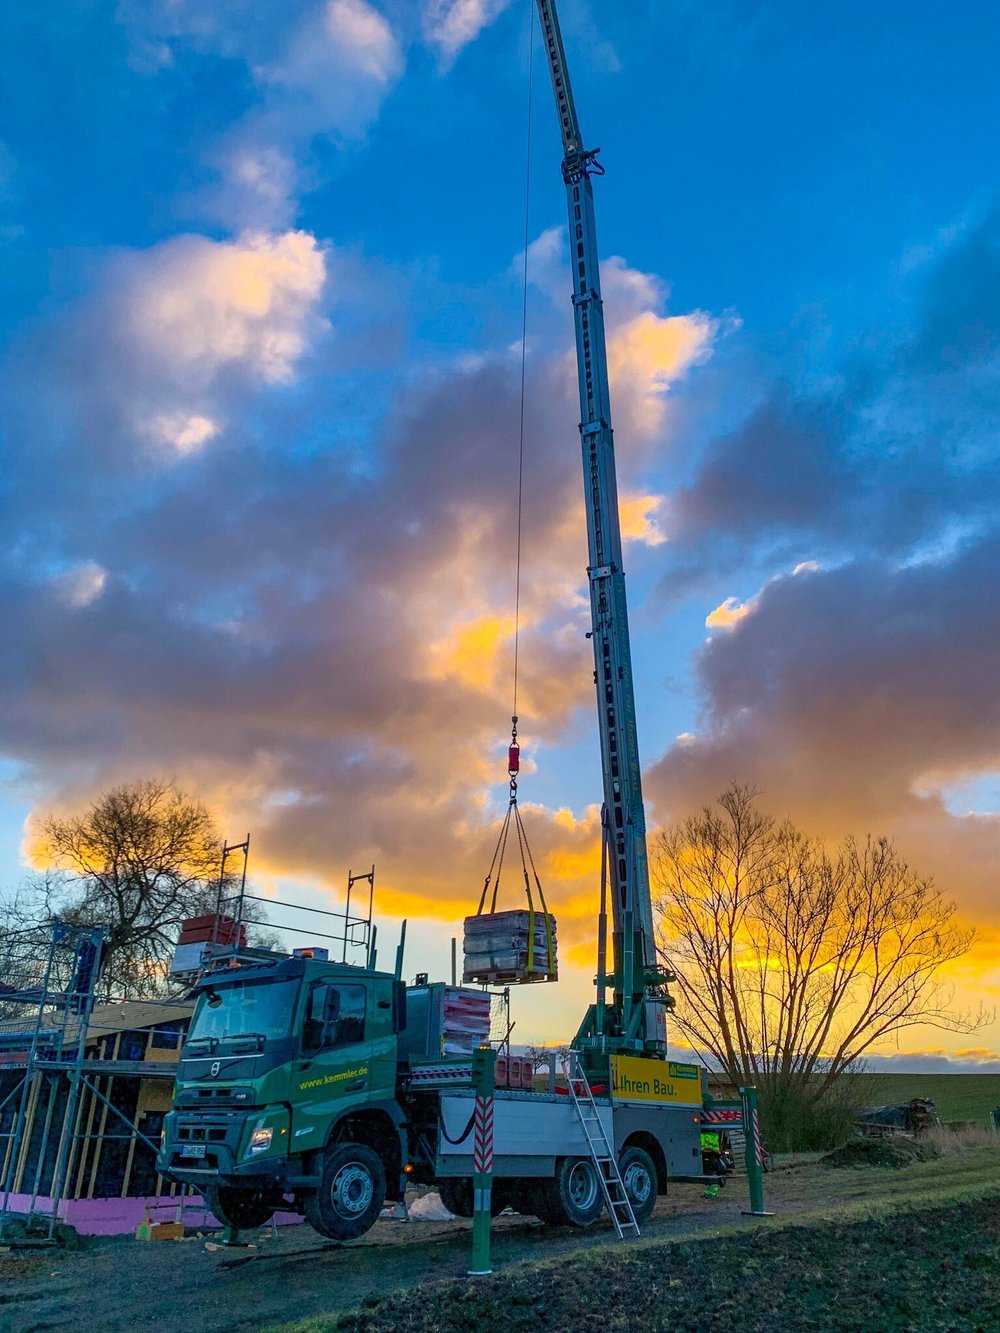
(345, 1016)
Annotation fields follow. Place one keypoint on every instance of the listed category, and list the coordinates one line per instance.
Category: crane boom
(630, 1021)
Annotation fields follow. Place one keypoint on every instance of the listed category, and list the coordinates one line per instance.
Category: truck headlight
(260, 1139)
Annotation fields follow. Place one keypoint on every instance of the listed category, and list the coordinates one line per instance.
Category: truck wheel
(635, 1166)
(456, 1195)
(573, 1196)
(239, 1208)
(351, 1192)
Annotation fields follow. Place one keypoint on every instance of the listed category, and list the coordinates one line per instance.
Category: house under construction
(83, 1088)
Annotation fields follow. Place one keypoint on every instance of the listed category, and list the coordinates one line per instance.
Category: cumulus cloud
(728, 613)
(195, 306)
(449, 25)
(649, 351)
(184, 434)
(840, 690)
(640, 518)
(895, 453)
(336, 67)
(81, 585)
(173, 341)
(318, 68)
(324, 649)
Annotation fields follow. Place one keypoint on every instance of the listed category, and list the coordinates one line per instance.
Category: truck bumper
(201, 1149)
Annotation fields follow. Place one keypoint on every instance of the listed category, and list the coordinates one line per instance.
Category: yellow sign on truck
(634, 1079)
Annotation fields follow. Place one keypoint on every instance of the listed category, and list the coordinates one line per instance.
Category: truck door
(382, 1027)
(334, 1070)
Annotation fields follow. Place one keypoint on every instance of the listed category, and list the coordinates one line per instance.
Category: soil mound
(891, 1153)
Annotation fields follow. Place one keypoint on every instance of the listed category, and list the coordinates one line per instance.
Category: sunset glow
(261, 393)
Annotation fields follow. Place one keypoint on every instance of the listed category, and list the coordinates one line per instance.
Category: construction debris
(913, 1117)
(891, 1153)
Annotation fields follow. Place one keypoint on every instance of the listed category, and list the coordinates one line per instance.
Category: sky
(260, 291)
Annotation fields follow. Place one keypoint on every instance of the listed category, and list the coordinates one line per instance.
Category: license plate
(193, 1150)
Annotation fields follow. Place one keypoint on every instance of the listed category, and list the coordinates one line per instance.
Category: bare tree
(138, 861)
(541, 1056)
(793, 962)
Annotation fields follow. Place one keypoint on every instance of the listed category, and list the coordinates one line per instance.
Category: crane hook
(513, 760)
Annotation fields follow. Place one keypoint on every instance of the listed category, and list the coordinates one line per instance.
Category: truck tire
(573, 1196)
(238, 1208)
(635, 1166)
(457, 1196)
(351, 1192)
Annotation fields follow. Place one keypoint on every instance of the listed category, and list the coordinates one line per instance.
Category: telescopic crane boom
(634, 1019)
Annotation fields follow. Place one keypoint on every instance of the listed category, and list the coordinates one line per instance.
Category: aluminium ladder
(601, 1151)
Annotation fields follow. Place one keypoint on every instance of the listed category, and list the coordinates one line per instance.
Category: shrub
(793, 1119)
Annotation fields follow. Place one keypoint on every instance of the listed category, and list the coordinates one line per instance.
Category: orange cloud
(639, 514)
(646, 354)
(473, 651)
(729, 613)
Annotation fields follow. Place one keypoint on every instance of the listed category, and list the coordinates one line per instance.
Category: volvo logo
(216, 1066)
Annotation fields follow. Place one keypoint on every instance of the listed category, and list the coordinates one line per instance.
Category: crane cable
(513, 753)
(524, 336)
(548, 970)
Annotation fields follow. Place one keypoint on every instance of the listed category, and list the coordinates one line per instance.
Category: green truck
(321, 1088)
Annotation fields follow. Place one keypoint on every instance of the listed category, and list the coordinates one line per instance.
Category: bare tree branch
(139, 861)
(792, 962)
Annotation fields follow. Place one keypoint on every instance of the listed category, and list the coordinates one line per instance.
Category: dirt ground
(833, 1276)
(124, 1284)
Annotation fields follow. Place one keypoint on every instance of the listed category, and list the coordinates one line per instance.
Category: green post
(483, 1062)
(754, 1153)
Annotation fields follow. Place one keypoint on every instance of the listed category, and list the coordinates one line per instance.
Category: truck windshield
(256, 1008)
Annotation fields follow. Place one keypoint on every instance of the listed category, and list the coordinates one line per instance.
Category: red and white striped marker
(482, 1143)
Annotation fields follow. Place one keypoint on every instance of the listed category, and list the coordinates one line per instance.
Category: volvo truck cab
(283, 1064)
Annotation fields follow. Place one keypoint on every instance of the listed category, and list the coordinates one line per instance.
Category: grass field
(957, 1096)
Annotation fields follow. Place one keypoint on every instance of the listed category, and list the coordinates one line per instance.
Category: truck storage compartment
(505, 948)
(444, 1021)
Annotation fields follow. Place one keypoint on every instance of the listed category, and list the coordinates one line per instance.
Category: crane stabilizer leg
(634, 1021)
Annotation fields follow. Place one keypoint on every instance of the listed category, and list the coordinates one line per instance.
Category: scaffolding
(46, 1000)
(344, 932)
(55, 1119)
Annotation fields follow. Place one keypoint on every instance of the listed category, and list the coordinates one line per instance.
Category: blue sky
(260, 288)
